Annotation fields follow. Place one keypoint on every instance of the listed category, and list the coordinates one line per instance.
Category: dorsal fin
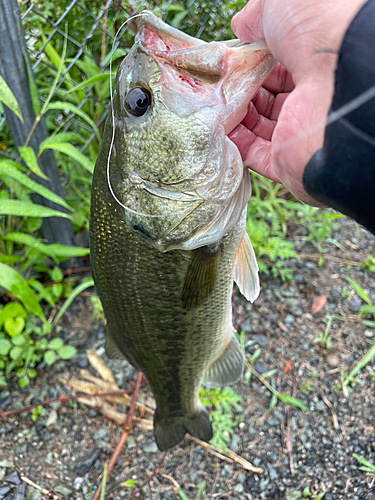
(200, 276)
(246, 276)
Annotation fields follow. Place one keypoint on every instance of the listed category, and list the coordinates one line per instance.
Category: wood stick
(125, 433)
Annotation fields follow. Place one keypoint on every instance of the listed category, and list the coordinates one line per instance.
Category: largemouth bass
(168, 212)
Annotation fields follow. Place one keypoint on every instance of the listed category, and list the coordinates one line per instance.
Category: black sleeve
(342, 173)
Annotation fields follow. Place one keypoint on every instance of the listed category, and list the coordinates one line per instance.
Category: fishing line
(113, 125)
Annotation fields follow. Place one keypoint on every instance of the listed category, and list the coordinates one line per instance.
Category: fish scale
(168, 238)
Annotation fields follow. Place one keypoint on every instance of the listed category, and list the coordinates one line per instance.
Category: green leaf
(5, 347)
(61, 250)
(288, 400)
(28, 209)
(369, 356)
(49, 357)
(31, 373)
(13, 281)
(56, 275)
(56, 343)
(9, 168)
(7, 97)
(15, 352)
(129, 483)
(10, 259)
(14, 326)
(66, 352)
(77, 111)
(23, 381)
(359, 290)
(91, 81)
(68, 149)
(19, 339)
(80, 288)
(29, 158)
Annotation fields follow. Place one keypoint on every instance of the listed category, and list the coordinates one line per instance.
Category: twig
(317, 256)
(148, 480)
(61, 399)
(49, 494)
(125, 433)
(232, 457)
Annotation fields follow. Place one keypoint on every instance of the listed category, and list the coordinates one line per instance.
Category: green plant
(267, 213)
(222, 403)
(36, 412)
(369, 308)
(23, 344)
(369, 263)
(324, 339)
(320, 226)
(307, 387)
(313, 495)
(199, 492)
(368, 467)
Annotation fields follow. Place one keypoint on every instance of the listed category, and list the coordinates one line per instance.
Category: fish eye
(138, 100)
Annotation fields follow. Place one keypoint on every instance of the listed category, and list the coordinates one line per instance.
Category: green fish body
(168, 208)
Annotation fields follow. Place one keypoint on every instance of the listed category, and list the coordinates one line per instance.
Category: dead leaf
(100, 367)
(318, 304)
(282, 327)
(287, 367)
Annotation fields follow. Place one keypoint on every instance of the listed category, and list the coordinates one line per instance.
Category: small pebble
(52, 420)
(369, 333)
(12, 478)
(85, 464)
(289, 318)
(150, 448)
(333, 360)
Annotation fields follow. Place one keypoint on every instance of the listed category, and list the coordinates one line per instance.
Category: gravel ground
(65, 449)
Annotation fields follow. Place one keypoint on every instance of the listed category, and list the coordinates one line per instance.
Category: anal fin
(227, 368)
(246, 275)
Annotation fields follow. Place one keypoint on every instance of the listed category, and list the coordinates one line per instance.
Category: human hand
(285, 122)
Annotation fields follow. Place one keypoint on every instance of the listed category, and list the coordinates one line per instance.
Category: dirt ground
(65, 449)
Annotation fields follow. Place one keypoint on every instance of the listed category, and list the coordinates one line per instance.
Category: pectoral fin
(246, 276)
(227, 368)
(201, 276)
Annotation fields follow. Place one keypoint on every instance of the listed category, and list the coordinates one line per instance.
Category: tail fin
(170, 433)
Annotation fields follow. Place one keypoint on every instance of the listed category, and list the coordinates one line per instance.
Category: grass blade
(359, 290)
(28, 209)
(74, 109)
(9, 168)
(92, 80)
(8, 98)
(369, 356)
(68, 149)
(29, 158)
(87, 283)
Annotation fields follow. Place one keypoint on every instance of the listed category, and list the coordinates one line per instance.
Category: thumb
(247, 25)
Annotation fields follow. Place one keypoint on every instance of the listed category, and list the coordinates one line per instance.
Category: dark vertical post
(14, 71)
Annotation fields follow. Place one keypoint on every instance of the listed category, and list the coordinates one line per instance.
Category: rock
(320, 406)
(4, 491)
(239, 488)
(260, 368)
(261, 340)
(273, 422)
(369, 333)
(52, 420)
(63, 490)
(292, 494)
(354, 305)
(100, 434)
(340, 482)
(85, 464)
(131, 442)
(6, 463)
(32, 494)
(333, 360)
(272, 472)
(235, 442)
(12, 478)
(151, 448)
(289, 318)
(78, 482)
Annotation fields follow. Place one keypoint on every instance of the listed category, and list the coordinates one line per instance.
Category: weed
(369, 263)
(36, 412)
(307, 387)
(368, 467)
(222, 403)
(324, 339)
(199, 492)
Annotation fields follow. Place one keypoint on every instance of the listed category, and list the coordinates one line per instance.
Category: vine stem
(124, 436)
